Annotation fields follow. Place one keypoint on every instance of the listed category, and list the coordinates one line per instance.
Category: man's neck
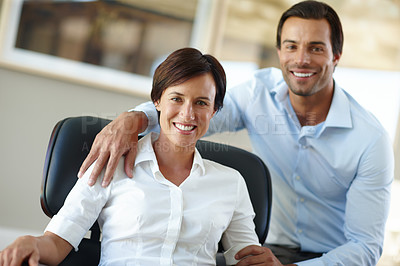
(311, 110)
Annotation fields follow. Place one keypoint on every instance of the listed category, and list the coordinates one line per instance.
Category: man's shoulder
(270, 77)
(365, 128)
(360, 115)
(261, 80)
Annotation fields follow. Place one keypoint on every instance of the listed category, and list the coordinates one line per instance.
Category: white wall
(30, 106)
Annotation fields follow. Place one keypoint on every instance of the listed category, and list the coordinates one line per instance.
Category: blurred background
(68, 58)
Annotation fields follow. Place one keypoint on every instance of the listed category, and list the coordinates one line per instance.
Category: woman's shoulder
(119, 173)
(226, 172)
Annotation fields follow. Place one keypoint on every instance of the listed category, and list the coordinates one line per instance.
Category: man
(331, 162)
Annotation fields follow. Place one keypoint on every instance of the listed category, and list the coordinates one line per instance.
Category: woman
(178, 206)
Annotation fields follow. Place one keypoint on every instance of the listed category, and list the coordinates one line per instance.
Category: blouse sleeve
(80, 210)
(241, 230)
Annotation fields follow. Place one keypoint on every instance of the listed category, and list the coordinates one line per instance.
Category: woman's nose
(187, 112)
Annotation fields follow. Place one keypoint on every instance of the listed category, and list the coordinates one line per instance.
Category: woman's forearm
(52, 248)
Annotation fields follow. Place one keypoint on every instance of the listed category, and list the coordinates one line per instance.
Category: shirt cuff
(230, 253)
(312, 262)
(152, 116)
(67, 230)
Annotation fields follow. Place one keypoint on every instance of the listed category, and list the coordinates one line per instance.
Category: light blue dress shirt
(331, 181)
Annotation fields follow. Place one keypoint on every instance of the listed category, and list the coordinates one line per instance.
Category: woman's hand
(49, 248)
(24, 248)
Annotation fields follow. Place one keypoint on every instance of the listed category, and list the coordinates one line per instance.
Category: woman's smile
(184, 128)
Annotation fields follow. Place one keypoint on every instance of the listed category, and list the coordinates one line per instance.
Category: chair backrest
(70, 143)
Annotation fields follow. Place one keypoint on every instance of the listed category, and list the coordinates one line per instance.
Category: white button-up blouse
(147, 220)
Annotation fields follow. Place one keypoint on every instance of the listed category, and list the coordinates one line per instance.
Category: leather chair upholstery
(69, 145)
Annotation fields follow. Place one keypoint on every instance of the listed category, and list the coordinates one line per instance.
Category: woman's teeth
(184, 128)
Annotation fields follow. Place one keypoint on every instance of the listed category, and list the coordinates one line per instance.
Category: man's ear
(278, 51)
(215, 111)
(336, 58)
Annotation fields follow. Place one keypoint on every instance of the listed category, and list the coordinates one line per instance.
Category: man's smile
(302, 74)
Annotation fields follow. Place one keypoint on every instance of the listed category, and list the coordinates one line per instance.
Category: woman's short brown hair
(184, 64)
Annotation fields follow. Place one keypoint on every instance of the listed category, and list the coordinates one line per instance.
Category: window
(106, 44)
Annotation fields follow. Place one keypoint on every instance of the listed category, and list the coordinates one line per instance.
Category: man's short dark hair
(315, 10)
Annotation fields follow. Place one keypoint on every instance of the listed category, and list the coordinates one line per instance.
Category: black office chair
(69, 145)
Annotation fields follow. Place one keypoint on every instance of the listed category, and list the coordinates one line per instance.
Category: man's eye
(317, 49)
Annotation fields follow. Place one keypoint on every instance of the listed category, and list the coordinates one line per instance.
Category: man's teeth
(183, 127)
(302, 75)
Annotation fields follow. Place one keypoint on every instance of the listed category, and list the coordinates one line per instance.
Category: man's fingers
(97, 169)
(116, 139)
(92, 156)
(249, 250)
(16, 257)
(256, 255)
(130, 161)
(110, 169)
(95, 152)
(3, 258)
(34, 259)
(17, 261)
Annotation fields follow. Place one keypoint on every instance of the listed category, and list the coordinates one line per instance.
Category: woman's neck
(174, 162)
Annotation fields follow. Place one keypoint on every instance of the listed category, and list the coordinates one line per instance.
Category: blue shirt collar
(339, 114)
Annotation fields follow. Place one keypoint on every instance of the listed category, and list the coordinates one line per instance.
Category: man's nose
(302, 56)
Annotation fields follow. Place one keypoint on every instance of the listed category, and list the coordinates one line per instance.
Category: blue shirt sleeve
(229, 118)
(150, 111)
(367, 208)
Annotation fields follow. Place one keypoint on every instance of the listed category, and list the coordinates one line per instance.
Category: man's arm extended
(118, 138)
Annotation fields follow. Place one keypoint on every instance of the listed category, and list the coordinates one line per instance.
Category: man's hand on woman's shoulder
(119, 138)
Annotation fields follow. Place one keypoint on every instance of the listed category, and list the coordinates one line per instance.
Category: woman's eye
(175, 99)
(201, 103)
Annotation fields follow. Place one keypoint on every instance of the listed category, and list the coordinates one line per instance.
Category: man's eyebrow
(312, 43)
(290, 41)
(318, 43)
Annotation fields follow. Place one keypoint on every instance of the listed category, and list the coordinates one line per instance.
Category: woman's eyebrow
(204, 98)
(175, 93)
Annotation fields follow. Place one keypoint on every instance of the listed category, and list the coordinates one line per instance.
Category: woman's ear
(157, 105)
